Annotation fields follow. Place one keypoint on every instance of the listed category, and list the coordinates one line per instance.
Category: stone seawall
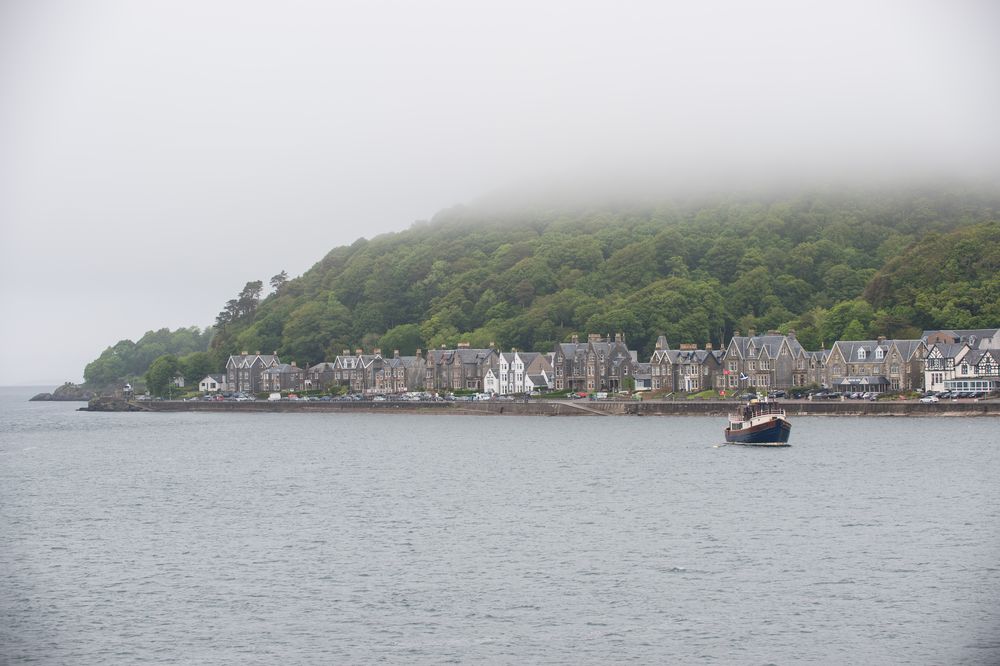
(561, 407)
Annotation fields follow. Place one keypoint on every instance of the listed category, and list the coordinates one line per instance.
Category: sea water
(355, 538)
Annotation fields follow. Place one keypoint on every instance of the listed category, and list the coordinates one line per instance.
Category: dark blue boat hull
(774, 432)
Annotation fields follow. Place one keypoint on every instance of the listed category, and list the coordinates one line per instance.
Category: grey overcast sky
(156, 155)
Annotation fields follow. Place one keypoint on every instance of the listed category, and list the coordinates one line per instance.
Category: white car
(929, 398)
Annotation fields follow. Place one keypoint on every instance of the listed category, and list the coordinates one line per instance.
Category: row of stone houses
(774, 361)
(463, 368)
(940, 360)
(600, 364)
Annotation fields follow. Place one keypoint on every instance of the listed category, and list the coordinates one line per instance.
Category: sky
(155, 156)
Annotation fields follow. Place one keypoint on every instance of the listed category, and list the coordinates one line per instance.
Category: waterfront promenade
(562, 407)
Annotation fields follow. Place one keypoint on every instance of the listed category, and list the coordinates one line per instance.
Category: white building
(212, 384)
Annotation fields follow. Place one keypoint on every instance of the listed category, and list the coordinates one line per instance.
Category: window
(879, 353)
(862, 353)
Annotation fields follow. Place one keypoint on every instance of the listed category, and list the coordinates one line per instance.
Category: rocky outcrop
(112, 404)
(68, 391)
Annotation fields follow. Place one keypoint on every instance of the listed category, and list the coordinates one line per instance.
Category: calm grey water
(330, 538)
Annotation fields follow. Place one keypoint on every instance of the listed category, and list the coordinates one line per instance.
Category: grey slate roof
(964, 334)
(948, 349)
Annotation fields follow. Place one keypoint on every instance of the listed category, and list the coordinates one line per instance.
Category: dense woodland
(830, 266)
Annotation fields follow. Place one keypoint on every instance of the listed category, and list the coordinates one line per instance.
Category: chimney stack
(395, 353)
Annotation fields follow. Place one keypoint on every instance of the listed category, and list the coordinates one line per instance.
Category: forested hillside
(829, 266)
(127, 360)
(694, 272)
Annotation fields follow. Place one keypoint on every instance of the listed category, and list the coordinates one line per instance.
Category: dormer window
(879, 353)
(861, 354)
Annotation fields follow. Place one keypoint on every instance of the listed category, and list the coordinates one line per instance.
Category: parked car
(930, 398)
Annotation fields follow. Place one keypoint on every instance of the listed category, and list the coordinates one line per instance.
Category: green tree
(160, 376)
(854, 331)
(313, 327)
(405, 337)
(279, 281)
(196, 365)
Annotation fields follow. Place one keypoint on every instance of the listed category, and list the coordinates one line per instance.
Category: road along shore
(554, 407)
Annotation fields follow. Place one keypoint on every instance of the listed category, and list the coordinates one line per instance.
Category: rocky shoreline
(68, 392)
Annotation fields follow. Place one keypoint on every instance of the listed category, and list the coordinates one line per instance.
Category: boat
(759, 423)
